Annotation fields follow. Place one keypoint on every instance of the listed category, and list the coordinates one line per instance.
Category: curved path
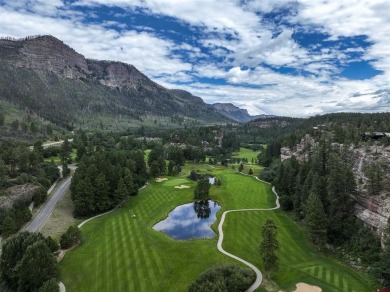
(259, 275)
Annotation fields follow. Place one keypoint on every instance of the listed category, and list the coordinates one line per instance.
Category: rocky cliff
(40, 73)
(372, 210)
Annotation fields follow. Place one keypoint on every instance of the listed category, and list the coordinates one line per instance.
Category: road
(259, 275)
(57, 143)
(48, 208)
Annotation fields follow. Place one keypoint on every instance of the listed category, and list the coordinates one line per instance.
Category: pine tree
(202, 189)
(9, 226)
(121, 192)
(37, 266)
(269, 246)
(102, 201)
(84, 200)
(315, 220)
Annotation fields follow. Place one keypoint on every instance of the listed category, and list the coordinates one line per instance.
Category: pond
(190, 221)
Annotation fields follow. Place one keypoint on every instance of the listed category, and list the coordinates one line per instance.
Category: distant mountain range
(237, 114)
(47, 78)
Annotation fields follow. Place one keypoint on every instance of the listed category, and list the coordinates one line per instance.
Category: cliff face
(233, 112)
(51, 79)
(372, 210)
(43, 54)
(48, 54)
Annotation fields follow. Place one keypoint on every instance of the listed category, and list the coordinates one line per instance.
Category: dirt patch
(182, 187)
(303, 287)
(161, 179)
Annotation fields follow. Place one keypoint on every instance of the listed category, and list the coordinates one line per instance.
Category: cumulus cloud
(236, 53)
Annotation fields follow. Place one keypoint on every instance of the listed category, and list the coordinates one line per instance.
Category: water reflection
(191, 220)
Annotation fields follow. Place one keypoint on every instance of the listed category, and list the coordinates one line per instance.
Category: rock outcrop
(372, 210)
(17, 193)
(51, 79)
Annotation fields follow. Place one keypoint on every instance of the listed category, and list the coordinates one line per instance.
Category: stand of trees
(224, 279)
(105, 179)
(28, 264)
(19, 165)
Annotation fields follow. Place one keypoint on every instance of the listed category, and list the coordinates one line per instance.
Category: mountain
(237, 114)
(47, 78)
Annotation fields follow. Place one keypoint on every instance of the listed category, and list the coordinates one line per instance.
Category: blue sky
(295, 58)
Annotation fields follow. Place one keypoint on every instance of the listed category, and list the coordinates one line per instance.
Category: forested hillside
(324, 185)
(54, 82)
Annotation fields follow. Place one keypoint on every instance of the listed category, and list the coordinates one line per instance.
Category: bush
(52, 244)
(40, 196)
(70, 237)
(224, 278)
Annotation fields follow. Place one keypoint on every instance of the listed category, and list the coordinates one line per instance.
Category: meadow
(119, 253)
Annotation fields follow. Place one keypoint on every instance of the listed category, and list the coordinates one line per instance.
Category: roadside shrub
(40, 196)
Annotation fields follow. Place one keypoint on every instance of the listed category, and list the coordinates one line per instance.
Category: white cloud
(242, 48)
(150, 54)
(351, 18)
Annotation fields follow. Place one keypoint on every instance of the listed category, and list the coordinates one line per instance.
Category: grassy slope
(124, 254)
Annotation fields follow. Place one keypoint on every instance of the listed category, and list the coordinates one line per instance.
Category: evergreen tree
(65, 151)
(315, 220)
(241, 167)
(50, 286)
(202, 189)
(341, 186)
(129, 182)
(154, 169)
(171, 165)
(121, 192)
(37, 266)
(250, 172)
(102, 201)
(9, 226)
(84, 198)
(269, 246)
(3, 172)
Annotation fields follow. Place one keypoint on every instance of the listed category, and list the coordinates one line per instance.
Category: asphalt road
(46, 210)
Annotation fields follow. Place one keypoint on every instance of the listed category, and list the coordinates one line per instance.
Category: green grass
(246, 153)
(176, 182)
(119, 253)
(57, 159)
(124, 254)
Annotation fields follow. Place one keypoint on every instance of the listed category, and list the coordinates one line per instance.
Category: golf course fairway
(119, 253)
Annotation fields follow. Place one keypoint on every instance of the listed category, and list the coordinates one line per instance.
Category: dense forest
(24, 178)
(318, 186)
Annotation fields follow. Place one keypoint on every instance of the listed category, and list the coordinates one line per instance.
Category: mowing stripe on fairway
(259, 276)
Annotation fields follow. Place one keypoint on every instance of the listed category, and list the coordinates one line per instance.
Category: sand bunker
(161, 179)
(182, 187)
(303, 287)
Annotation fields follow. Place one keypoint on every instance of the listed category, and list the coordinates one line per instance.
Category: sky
(292, 58)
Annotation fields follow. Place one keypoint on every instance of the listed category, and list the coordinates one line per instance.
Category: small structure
(211, 180)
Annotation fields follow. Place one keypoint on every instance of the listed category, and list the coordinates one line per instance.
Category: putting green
(119, 253)
(171, 182)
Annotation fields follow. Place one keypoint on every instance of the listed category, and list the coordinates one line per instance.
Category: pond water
(191, 220)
